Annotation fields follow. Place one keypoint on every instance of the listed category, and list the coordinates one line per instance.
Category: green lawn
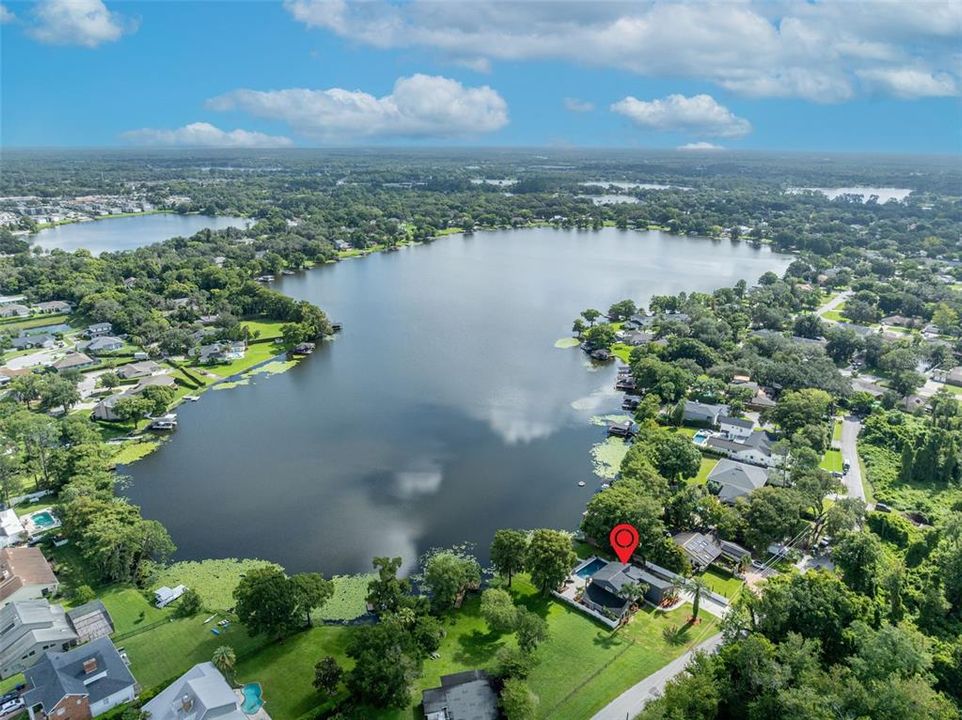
(837, 430)
(256, 354)
(266, 328)
(832, 461)
(689, 431)
(707, 465)
(836, 314)
(722, 582)
(130, 609)
(621, 351)
(13, 325)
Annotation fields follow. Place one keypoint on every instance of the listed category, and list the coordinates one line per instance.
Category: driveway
(853, 478)
(633, 700)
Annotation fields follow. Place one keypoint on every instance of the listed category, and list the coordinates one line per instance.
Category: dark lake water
(441, 413)
(126, 233)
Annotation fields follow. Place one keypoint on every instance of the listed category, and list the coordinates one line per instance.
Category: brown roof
(24, 566)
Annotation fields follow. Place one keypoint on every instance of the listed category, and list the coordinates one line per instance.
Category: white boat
(581, 483)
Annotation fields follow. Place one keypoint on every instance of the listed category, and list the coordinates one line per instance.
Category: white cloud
(77, 22)
(479, 64)
(700, 146)
(812, 50)
(579, 106)
(201, 134)
(908, 83)
(418, 106)
(699, 115)
(6, 15)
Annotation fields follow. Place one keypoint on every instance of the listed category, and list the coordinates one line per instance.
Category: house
(153, 381)
(164, 596)
(29, 628)
(731, 480)
(603, 588)
(201, 693)
(953, 376)
(52, 307)
(220, 352)
(733, 552)
(913, 403)
(638, 337)
(91, 621)
(25, 574)
(14, 310)
(104, 410)
(701, 550)
(73, 361)
(640, 320)
(55, 329)
(7, 299)
(465, 695)
(26, 342)
(761, 400)
(756, 449)
(79, 684)
(139, 370)
(104, 344)
(703, 413)
(11, 529)
(98, 329)
(901, 321)
(735, 428)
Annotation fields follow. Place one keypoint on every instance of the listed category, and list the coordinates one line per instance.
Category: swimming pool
(43, 519)
(591, 568)
(700, 437)
(253, 698)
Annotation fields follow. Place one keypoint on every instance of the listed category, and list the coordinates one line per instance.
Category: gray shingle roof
(58, 674)
(462, 696)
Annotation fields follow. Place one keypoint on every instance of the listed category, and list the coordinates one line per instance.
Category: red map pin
(624, 540)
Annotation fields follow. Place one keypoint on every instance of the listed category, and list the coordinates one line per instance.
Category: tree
(498, 610)
(674, 456)
(590, 315)
(225, 660)
(10, 469)
(59, 392)
(159, 397)
(622, 310)
(531, 629)
(386, 592)
(382, 672)
(266, 601)
(549, 559)
(517, 701)
(447, 575)
(508, 549)
(295, 333)
(599, 336)
(131, 409)
(798, 408)
(859, 555)
(624, 502)
(771, 514)
(108, 379)
(808, 325)
(327, 676)
(311, 591)
(189, 604)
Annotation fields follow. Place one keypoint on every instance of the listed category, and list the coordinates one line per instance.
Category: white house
(201, 693)
(756, 449)
(703, 413)
(11, 529)
(735, 428)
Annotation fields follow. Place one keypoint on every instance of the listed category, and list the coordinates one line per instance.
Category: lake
(127, 233)
(441, 413)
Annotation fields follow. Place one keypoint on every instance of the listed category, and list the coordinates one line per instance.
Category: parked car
(11, 705)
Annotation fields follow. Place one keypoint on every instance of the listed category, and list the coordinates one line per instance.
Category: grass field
(832, 461)
(622, 351)
(12, 325)
(837, 430)
(707, 465)
(256, 354)
(266, 328)
(722, 582)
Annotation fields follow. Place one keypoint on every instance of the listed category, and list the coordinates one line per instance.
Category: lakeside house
(731, 480)
(598, 588)
(221, 352)
(201, 693)
(29, 628)
(25, 574)
(98, 329)
(703, 413)
(12, 531)
(756, 449)
(79, 684)
(135, 370)
(467, 695)
(106, 408)
(73, 361)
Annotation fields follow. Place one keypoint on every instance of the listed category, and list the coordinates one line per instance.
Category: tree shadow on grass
(478, 648)
(609, 640)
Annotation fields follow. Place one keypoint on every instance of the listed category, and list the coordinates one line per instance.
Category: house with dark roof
(26, 342)
(735, 428)
(755, 449)
(52, 306)
(703, 413)
(201, 693)
(701, 550)
(731, 480)
(25, 574)
(603, 591)
(73, 361)
(79, 684)
(104, 344)
(98, 329)
(465, 695)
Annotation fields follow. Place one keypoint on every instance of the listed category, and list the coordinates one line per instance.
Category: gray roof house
(756, 448)
(703, 413)
(462, 696)
(139, 370)
(73, 361)
(733, 480)
(199, 694)
(53, 306)
(30, 627)
(701, 550)
(98, 329)
(93, 676)
(104, 343)
(25, 342)
(603, 588)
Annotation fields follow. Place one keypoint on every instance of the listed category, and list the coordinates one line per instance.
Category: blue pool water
(591, 568)
(699, 437)
(43, 519)
(252, 698)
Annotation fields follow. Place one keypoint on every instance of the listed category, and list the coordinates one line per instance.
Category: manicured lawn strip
(707, 465)
(286, 670)
(13, 324)
(133, 451)
(129, 609)
(832, 461)
(164, 652)
(256, 353)
(837, 430)
(722, 582)
(688, 431)
(621, 351)
(267, 328)
(835, 315)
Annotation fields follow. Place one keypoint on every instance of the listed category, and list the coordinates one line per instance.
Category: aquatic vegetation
(568, 342)
(606, 457)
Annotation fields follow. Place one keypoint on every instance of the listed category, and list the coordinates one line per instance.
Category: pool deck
(259, 715)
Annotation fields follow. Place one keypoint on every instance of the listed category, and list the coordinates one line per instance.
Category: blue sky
(828, 76)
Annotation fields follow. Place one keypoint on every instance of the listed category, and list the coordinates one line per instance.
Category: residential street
(634, 699)
(853, 478)
(833, 303)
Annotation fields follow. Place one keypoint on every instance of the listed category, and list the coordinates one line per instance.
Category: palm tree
(696, 586)
(225, 660)
(634, 592)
